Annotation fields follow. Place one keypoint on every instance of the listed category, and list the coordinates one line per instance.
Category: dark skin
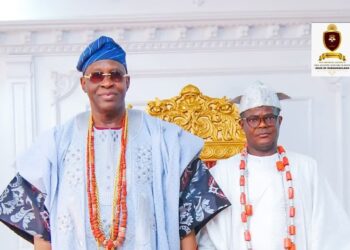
(41, 244)
(107, 102)
(107, 98)
(261, 141)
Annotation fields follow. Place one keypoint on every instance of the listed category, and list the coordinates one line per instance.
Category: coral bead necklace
(283, 167)
(119, 212)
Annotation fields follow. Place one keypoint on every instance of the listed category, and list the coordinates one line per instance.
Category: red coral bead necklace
(283, 167)
(119, 212)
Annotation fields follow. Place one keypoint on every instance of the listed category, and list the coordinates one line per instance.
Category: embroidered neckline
(104, 128)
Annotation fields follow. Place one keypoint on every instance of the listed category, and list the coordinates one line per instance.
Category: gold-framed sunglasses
(114, 76)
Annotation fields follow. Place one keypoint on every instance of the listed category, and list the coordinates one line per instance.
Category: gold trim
(213, 119)
(339, 56)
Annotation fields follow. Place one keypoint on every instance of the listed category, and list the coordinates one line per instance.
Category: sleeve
(330, 227)
(204, 241)
(22, 209)
(200, 198)
(39, 164)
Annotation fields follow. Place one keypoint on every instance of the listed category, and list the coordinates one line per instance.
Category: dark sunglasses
(114, 76)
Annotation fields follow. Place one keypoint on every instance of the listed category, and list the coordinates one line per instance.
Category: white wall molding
(19, 77)
(165, 46)
(64, 86)
(197, 32)
(65, 83)
(253, 69)
(345, 97)
(176, 19)
(336, 86)
(198, 3)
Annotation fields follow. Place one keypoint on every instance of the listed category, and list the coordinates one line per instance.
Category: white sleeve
(330, 228)
(204, 241)
(38, 165)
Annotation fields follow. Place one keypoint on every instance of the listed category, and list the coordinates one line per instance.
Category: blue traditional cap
(102, 48)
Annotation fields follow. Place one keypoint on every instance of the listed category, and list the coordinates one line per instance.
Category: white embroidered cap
(258, 95)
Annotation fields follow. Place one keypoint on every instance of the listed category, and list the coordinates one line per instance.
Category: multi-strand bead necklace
(282, 166)
(119, 212)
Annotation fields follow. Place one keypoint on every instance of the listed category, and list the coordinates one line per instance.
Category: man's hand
(189, 242)
(41, 244)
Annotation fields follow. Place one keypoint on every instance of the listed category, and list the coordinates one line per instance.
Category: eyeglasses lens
(115, 76)
(96, 77)
(255, 121)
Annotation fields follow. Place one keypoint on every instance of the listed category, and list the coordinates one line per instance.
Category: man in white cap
(278, 199)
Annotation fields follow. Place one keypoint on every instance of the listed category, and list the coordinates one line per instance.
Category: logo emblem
(331, 37)
(332, 41)
(329, 42)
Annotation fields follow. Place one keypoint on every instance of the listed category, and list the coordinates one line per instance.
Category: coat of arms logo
(331, 41)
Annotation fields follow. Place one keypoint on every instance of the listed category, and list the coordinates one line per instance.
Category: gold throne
(213, 119)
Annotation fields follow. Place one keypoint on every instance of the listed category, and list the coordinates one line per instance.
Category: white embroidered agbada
(321, 222)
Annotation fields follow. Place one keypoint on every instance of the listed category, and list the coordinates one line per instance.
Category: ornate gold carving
(213, 119)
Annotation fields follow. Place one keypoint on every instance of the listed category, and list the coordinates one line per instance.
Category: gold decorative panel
(213, 119)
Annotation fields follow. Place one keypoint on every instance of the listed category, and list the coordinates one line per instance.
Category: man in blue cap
(111, 178)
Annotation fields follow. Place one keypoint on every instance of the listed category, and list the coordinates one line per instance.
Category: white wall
(220, 46)
(77, 9)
